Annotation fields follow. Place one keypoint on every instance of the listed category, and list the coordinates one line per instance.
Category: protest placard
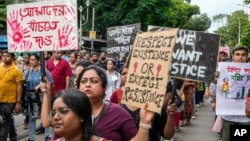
(148, 69)
(120, 39)
(194, 56)
(42, 26)
(225, 49)
(232, 88)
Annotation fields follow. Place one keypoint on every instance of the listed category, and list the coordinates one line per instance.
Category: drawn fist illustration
(158, 69)
(135, 66)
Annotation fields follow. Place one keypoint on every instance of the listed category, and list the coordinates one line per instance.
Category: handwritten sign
(42, 26)
(120, 39)
(195, 55)
(148, 69)
(225, 49)
(232, 88)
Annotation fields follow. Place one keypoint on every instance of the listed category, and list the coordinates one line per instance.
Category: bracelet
(248, 98)
(145, 126)
(18, 102)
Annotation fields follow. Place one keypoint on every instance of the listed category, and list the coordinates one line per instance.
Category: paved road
(199, 130)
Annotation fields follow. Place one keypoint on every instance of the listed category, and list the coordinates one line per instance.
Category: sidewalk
(200, 128)
(23, 133)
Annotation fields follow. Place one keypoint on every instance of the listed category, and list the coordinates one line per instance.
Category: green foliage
(169, 13)
(199, 23)
(246, 1)
(232, 26)
(245, 40)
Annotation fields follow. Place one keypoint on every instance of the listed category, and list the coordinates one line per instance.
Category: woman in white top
(114, 79)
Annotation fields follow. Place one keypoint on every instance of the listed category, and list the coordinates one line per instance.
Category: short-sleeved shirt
(8, 83)
(59, 72)
(116, 124)
(33, 78)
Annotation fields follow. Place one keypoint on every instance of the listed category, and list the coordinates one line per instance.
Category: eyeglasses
(61, 112)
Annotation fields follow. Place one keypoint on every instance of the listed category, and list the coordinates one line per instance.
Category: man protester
(239, 55)
(47, 55)
(102, 61)
(11, 80)
(60, 71)
(94, 58)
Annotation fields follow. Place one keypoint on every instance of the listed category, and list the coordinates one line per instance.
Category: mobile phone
(173, 91)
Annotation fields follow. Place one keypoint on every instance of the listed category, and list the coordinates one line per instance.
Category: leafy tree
(245, 40)
(232, 28)
(170, 13)
(246, 1)
(198, 22)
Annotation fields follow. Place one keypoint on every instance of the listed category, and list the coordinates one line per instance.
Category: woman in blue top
(33, 94)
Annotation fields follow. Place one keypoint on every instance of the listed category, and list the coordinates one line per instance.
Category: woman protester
(33, 95)
(163, 125)
(113, 78)
(71, 117)
(109, 120)
(72, 64)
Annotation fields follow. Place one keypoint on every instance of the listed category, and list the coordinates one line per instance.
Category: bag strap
(26, 76)
(95, 120)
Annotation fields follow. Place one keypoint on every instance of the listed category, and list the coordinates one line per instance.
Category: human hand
(171, 108)
(18, 108)
(146, 116)
(45, 86)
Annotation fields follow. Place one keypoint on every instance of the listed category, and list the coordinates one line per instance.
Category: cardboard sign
(233, 86)
(195, 55)
(148, 69)
(42, 26)
(120, 39)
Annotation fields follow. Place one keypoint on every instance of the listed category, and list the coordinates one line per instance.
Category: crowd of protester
(81, 98)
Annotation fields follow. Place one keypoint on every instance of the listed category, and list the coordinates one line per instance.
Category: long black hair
(79, 103)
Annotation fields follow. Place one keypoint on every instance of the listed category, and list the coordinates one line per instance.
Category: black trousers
(6, 110)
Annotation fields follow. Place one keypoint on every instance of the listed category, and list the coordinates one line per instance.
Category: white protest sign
(42, 26)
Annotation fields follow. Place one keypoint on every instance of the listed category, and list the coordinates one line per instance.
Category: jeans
(12, 131)
(32, 129)
(6, 110)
